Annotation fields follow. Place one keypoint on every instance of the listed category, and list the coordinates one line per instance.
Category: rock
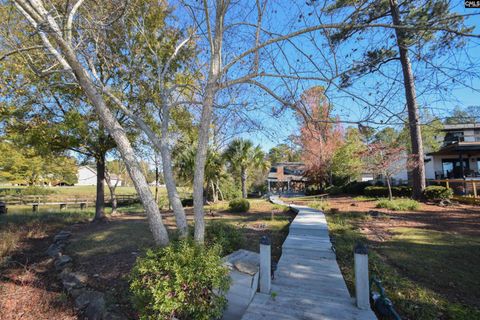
(374, 213)
(74, 280)
(246, 266)
(75, 293)
(93, 304)
(112, 315)
(243, 261)
(62, 262)
(445, 203)
(54, 250)
(64, 232)
(62, 236)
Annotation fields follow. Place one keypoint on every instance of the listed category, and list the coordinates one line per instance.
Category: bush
(379, 192)
(320, 205)
(398, 204)
(187, 202)
(183, 280)
(334, 190)
(312, 190)
(225, 235)
(239, 205)
(437, 193)
(230, 189)
(28, 191)
(36, 190)
(356, 188)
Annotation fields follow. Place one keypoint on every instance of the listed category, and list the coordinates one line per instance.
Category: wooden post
(265, 265)
(447, 184)
(362, 285)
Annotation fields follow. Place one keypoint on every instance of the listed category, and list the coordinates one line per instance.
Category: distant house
(459, 156)
(287, 176)
(87, 176)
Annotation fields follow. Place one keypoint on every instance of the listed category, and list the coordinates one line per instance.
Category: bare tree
(56, 34)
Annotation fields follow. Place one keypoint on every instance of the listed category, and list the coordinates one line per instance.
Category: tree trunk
(167, 165)
(156, 182)
(390, 195)
(100, 196)
(200, 160)
(214, 192)
(113, 198)
(220, 191)
(160, 234)
(243, 178)
(418, 171)
(211, 90)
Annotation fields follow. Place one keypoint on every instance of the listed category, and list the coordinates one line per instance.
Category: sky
(277, 130)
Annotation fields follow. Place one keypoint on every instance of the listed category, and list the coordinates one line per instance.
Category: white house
(457, 158)
(87, 176)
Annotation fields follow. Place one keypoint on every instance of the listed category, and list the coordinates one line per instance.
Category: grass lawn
(105, 251)
(427, 273)
(88, 192)
(126, 237)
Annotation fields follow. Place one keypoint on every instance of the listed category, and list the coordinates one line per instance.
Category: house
(287, 176)
(459, 155)
(87, 176)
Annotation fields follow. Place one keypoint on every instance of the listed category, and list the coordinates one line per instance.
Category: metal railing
(381, 302)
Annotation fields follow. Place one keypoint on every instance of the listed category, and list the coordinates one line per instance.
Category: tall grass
(399, 204)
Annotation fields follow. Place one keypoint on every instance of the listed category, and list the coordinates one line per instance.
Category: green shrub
(230, 189)
(37, 190)
(187, 202)
(437, 192)
(334, 190)
(183, 281)
(398, 204)
(239, 205)
(28, 191)
(320, 205)
(380, 192)
(313, 190)
(223, 234)
(356, 188)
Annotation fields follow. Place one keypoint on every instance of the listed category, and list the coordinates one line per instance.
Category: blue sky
(277, 130)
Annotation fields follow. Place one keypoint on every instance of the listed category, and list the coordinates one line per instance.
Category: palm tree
(243, 157)
(214, 169)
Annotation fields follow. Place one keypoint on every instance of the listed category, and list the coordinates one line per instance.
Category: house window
(476, 135)
(452, 169)
(454, 136)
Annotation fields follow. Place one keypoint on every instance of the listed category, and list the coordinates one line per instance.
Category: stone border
(88, 302)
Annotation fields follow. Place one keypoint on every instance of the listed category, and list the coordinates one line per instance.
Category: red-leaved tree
(387, 160)
(320, 135)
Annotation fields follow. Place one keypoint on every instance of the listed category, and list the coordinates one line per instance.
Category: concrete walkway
(308, 283)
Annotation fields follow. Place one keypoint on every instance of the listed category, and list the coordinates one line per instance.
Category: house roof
(460, 126)
(458, 148)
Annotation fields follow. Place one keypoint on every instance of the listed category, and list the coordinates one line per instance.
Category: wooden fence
(460, 186)
(55, 198)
